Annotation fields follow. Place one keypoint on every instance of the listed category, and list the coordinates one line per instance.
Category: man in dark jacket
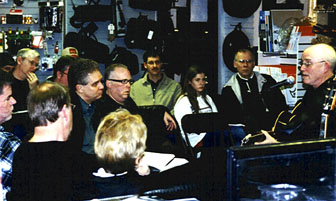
(248, 98)
(85, 88)
(118, 82)
(308, 118)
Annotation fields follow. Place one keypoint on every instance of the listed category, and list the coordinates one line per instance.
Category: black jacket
(266, 105)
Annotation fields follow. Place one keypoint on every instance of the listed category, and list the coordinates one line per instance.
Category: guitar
(328, 107)
(283, 119)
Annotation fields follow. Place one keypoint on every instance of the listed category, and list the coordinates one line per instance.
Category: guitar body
(285, 124)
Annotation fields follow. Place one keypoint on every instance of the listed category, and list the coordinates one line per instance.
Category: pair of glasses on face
(243, 61)
(308, 63)
(124, 81)
(33, 63)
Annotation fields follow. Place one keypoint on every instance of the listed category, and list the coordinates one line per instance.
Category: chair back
(204, 122)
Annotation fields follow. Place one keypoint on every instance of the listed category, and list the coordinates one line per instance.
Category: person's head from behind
(7, 62)
(27, 61)
(120, 141)
(6, 99)
(244, 62)
(118, 82)
(84, 78)
(152, 62)
(47, 103)
(61, 69)
(317, 64)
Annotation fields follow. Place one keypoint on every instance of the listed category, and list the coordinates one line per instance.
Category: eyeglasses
(242, 61)
(124, 81)
(308, 63)
(33, 63)
(157, 62)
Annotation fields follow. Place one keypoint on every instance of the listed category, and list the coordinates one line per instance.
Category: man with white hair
(24, 79)
(317, 68)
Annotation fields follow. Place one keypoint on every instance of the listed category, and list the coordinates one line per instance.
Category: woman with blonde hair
(119, 146)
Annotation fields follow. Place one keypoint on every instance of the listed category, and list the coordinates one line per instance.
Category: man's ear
(19, 60)
(79, 87)
(108, 84)
(145, 65)
(65, 113)
(58, 75)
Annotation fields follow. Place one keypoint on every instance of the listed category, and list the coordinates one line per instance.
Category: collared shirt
(166, 93)
(8, 145)
(154, 84)
(89, 135)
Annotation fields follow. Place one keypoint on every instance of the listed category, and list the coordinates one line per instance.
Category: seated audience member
(247, 97)
(118, 85)
(304, 122)
(194, 100)
(119, 146)
(85, 88)
(8, 142)
(70, 51)
(118, 82)
(155, 88)
(24, 79)
(61, 69)
(7, 62)
(43, 167)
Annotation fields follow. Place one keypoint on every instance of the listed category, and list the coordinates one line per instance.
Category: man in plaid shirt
(8, 142)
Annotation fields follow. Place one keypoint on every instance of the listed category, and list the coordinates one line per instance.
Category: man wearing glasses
(24, 79)
(61, 69)
(118, 83)
(317, 70)
(155, 88)
(248, 98)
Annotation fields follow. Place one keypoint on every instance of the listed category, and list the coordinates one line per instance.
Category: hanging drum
(232, 43)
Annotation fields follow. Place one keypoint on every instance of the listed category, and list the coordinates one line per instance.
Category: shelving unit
(30, 11)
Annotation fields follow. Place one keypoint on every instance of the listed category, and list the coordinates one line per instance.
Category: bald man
(317, 68)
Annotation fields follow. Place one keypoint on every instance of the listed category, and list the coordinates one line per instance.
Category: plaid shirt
(8, 144)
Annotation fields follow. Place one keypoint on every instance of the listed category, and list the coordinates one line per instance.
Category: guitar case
(241, 8)
(232, 43)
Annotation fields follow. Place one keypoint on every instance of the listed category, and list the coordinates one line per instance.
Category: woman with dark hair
(194, 100)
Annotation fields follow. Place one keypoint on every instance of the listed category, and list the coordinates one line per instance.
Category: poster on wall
(199, 11)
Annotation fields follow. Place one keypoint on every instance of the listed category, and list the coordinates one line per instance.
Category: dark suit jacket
(78, 129)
